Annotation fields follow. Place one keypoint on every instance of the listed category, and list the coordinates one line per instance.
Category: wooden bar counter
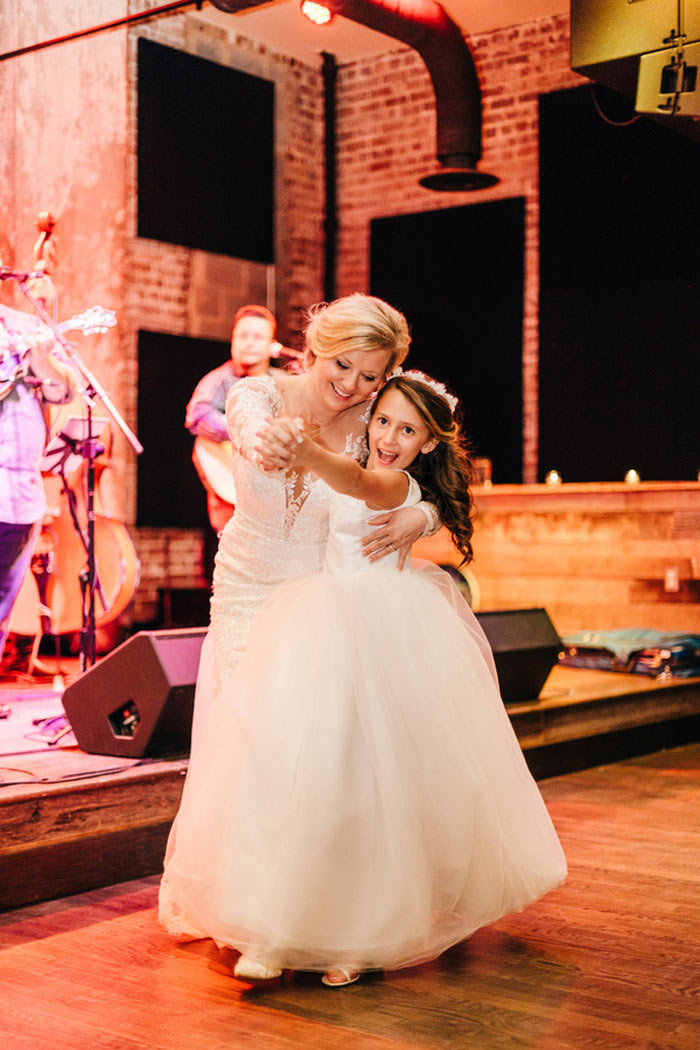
(597, 556)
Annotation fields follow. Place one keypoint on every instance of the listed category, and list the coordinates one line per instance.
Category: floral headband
(420, 377)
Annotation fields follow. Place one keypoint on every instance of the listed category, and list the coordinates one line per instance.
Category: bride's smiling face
(349, 378)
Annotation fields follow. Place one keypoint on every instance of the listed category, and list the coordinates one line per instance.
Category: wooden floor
(72, 821)
(609, 961)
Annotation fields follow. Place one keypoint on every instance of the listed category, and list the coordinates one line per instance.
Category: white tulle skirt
(356, 794)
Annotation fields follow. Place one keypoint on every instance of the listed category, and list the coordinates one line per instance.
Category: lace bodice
(280, 526)
(281, 520)
(348, 524)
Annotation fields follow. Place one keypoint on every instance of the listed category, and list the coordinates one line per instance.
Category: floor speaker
(525, 647)
(138, 700)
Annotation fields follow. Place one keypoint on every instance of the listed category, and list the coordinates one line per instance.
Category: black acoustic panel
(619, 292)
(169, 492)
(457, 274)
(205, 154)
(525, 647)
(138, 700)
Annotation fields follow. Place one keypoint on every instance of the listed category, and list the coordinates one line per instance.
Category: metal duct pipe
(330, 225)
(232, 7)
(427, 28)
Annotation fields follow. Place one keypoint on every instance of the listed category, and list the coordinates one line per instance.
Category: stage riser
(571, 756)
(538, 727)
(61, 869)
(66, 840)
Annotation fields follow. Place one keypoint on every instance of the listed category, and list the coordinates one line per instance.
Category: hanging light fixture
(316, 13)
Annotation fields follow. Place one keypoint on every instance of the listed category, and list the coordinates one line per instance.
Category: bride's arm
(249, 406)
(398, 530)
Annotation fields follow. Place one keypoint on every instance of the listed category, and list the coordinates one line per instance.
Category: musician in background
(31, 379)
(252, 346)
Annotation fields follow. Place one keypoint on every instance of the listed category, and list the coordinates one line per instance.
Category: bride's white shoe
(252, 970)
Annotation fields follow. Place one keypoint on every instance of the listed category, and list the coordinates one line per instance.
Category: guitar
(96, 319)
(213, 461)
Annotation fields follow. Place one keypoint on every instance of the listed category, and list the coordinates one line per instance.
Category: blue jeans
(16, 546)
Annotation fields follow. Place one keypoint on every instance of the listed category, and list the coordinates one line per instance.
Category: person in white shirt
(31, 377)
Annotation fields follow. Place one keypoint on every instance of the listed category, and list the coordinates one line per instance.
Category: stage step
(585, 718)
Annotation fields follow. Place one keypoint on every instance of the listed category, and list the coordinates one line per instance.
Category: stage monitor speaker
(138, 700)
(525, 647)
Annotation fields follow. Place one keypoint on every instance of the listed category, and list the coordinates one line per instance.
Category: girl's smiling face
(397, 433)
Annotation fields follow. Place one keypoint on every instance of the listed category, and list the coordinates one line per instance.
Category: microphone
(6, 274)
(277, 350)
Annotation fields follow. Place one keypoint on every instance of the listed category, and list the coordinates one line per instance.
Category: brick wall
(386, 136)
(180, 291)
(169, 558)
(76, 154)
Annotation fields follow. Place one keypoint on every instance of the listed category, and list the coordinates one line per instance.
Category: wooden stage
(71, 821)
(608, 961)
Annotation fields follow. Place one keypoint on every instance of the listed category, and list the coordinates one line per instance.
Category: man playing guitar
(252, 346)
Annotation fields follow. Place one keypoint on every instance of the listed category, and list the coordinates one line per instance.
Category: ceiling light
(316, 13)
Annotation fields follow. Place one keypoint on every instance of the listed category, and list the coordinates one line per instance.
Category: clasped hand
(280, 442)
(280, 447)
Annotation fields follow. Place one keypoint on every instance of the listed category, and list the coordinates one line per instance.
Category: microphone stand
(89, 449)
(88, 644)
(94, 387)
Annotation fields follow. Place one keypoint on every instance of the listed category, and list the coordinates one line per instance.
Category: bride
(279, 531)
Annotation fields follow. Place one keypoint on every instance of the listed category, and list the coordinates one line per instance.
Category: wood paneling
(596, 557)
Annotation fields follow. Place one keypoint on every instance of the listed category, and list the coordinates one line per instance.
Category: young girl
(379, 806)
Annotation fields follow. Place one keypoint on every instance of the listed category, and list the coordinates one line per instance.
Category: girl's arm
(380, 489)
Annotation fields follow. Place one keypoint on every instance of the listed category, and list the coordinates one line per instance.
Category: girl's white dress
(356, 795)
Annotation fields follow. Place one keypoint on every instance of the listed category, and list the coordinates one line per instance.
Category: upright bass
(52, 598)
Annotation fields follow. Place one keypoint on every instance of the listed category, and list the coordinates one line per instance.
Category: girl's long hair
(445, 475)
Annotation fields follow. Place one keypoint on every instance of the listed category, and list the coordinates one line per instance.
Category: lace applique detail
(173, 912)
(297, 486)
(356, 443)
(432, 518)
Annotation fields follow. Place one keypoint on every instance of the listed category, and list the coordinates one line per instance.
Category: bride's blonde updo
(357, 322)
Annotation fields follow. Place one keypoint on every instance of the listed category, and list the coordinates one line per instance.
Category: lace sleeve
(248, 405)
(356, 437)
(432, 518)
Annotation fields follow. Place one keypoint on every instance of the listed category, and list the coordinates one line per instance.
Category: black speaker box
(525, 647)
(138, 700)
